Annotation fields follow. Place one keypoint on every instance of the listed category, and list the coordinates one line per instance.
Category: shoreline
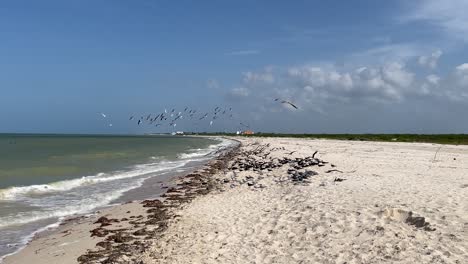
(287, 200)
(164, 182)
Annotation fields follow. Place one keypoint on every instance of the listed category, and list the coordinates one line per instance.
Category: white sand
(359, 220)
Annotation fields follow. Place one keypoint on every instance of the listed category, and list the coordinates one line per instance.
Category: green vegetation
(454, 139)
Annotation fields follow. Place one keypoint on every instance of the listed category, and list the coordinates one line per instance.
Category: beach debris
(124, 245)
(104, 221)
(120, 237)
(297, 176)
(99, 232)
(333, 170)
(404, 216)
(104, 244)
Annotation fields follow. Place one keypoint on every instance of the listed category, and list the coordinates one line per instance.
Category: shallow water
(47, 177)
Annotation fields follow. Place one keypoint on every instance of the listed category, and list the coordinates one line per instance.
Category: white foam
(207, 152)
(13, 193)
(28, 238)
(84, 205)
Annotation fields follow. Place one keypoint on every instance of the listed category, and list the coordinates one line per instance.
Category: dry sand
(363, 219)
(369, 211)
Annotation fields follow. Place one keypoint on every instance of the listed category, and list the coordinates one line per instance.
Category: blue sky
(350, 66)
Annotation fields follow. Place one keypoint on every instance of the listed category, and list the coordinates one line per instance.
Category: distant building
(247, 132)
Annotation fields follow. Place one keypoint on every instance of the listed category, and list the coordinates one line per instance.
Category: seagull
(287, 102)
(139, 121)
(211, 122)
(130, 118)
(110, 125)
(103, 115)
(204, 116)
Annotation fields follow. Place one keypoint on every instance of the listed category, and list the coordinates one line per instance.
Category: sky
(349, 66)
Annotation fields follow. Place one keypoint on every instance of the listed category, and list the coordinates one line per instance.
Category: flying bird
(204, 116)
(289, 103)
(286, 102)
(103, 115)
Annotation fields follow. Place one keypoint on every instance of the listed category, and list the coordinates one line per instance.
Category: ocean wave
(13, 193)
(207, 152)
(26, 239)
(83, 206)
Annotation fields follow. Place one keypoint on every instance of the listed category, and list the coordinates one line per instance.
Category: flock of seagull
(172, 117)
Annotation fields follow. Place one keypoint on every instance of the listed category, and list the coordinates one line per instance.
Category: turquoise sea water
(46, 177)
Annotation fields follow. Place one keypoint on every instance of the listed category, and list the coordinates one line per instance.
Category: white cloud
(314, 87)
(433, 79)
(262, 77)
(448, 15)
(461, 75)
(387, 82)
(431, 60)
(242, 52)
(397, 75)
(454, 86)
(462, 68)
(238, 93)
(390, 52)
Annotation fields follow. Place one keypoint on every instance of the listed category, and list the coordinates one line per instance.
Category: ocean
(44, 178)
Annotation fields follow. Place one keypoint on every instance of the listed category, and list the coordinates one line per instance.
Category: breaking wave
(13, 193)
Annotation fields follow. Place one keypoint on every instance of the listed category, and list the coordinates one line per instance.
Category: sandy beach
(282, 200)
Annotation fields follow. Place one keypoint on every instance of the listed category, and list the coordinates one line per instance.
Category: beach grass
(452, 139)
